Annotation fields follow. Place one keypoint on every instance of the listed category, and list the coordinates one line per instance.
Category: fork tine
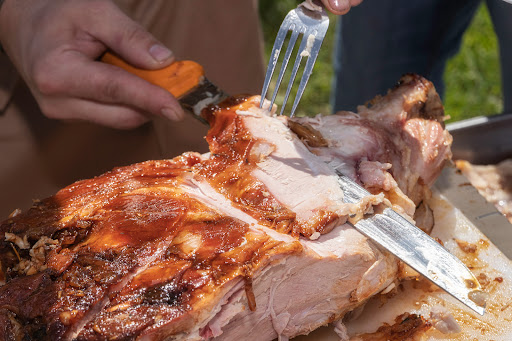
(308, 69)
(276, 51)
(284, 64)
(312, 25)
(295, 69)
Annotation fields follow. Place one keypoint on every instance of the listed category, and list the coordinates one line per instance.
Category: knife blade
(416, 248)
(187, 82)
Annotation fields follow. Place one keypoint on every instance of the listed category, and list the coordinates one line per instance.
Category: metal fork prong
(276, 51)
(295, 69)
(284, 64)
(308, 69)
(312, 25)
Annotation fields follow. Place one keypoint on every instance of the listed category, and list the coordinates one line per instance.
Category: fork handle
(179, 78)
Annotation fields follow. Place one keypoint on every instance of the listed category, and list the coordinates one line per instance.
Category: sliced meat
(403, 130)
(493, 182)
(264, 169)
(249, 238)
(100, 242)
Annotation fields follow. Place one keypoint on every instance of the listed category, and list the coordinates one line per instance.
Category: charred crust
(168, 293)
(353, 296)
(432, 107)
(406, 327)
(429, 106)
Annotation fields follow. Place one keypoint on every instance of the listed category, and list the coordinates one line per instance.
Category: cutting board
(459, 192)
(461, 215)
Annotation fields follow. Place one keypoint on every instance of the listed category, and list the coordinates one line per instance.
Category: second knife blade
(416, 248)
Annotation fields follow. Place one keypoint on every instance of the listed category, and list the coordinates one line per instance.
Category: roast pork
(248, 241)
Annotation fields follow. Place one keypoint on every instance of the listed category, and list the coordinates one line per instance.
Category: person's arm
(340, 6)
(55, 45)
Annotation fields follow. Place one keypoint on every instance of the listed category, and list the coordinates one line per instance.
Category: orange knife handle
(179, 78)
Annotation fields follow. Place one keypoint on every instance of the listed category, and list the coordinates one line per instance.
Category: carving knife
(187, 82)
(416, 248)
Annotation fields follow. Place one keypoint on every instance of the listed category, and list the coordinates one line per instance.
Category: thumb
(128, 39)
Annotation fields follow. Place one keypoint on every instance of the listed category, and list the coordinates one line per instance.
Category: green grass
(473, 85)
(473, 79)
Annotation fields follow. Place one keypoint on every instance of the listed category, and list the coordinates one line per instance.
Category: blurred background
(473, 81)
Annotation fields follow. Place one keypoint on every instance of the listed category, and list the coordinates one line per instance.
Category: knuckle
(44, 79)
(111, 91)
(134, 34)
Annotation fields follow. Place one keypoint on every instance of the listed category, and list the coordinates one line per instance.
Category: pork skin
(248, 241)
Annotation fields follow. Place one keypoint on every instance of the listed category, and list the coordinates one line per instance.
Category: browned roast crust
(110, 234)
(424, 103)
(407, 327)
(146, 251)
(229, 169)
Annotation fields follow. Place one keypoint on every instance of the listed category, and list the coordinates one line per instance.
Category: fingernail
(160, 53)
(340, 7)
(172, 114)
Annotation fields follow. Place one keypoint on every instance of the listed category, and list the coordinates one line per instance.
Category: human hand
(55, 45)
(339, 7)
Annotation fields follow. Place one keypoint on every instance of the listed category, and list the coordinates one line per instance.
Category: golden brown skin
(132, 246)
(229, 171)
(407, 327)
(134, 252)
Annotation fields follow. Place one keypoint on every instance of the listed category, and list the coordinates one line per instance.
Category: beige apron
(38, 156)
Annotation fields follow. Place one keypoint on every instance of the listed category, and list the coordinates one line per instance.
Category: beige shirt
(38, 156)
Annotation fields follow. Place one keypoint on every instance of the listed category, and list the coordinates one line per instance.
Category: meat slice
(493, 182)
(397, 145)
(249, 238)
(181, 273)
(264, 169)
(99, 242)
